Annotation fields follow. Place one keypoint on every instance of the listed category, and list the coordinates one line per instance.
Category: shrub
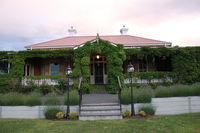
(143, 95)
(178, 91)
(12, 99)
(149, 109)
(75, 85)
(142, 113)
(126, 96)
(73, 98)
(33, 99)
(62, 84)
(45, 89)
(50, 112)
(31, 86)
(139, 96)
(4, 83)
(52, 100)
(60, 115)
(1, 100)
(73, 115)
(126, 113)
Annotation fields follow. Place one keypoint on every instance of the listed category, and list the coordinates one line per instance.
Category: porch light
(97, 56)
(130, 70)
(69, 70)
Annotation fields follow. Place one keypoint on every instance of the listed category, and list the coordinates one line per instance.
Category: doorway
(98, 69)
(98, 73)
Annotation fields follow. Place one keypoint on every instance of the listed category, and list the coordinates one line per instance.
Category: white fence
(174, 105)
(47, 81)
(28, 112)
(145, 81)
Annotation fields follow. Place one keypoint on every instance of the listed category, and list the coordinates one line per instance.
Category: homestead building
(37, 66)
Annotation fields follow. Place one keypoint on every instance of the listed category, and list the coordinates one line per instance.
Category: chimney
(72, 31)
(123, 30)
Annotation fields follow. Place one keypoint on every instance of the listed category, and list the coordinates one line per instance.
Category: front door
(37, 70)
(99, 73)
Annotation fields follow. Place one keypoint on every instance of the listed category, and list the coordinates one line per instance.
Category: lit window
(54, 69)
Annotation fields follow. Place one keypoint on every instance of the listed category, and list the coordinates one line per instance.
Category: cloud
(25, 22)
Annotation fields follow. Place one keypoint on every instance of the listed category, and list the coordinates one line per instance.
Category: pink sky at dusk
(24, 22)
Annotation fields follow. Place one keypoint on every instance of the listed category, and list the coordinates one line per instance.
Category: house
(98, 70)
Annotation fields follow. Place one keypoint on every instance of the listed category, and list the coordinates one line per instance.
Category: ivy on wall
(186, 64)
(18, 61)
(162, 52)
(115, 56)
(185, 61)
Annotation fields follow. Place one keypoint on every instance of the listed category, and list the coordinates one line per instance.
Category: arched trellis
(115, 56)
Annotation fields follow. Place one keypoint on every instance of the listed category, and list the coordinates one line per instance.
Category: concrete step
(101, 104)
(101, 112)
(100, 117)
(100, 108)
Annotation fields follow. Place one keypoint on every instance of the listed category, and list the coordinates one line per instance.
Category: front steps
(100, 111)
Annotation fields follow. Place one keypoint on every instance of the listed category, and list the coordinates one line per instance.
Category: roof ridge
(77, 39)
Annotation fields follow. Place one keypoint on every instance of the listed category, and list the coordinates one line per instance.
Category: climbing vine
(185, 61)
(18, 61)
(115, 56)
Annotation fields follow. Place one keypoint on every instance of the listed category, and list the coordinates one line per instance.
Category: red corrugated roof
(73, 41)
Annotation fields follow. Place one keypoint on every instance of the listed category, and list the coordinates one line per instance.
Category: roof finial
(123, 30)
(72, 31)
(97, 38)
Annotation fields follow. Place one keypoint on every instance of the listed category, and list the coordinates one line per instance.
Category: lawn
(186, 123)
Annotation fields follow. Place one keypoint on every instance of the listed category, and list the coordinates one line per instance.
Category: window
(54, 69)
(3, 67)
(142, 65)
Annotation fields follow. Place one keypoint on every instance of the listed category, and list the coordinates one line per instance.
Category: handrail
(119, 93)
(80, 93)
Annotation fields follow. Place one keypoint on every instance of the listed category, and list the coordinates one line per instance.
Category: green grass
(187, 123)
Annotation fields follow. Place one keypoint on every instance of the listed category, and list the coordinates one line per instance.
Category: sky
(25, 22)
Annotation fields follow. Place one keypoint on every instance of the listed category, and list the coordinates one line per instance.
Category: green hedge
(5, 83)
(12, 99)
(34, 99)
(73, 98)
(152, 75)
(52, 100)
(139, 96)
(178, 91)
